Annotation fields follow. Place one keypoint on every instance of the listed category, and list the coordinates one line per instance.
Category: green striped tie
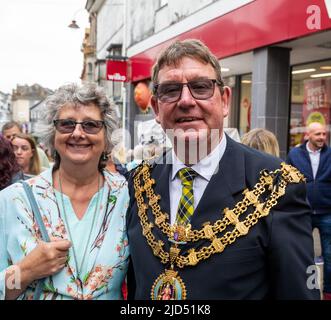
(186, 203)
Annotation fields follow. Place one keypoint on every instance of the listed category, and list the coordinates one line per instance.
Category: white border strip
(204, 15)
(328, 7)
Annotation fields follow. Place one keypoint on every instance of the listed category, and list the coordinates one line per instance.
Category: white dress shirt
(204, 169)
(314, 159)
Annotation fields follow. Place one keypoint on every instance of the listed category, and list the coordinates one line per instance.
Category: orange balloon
(142, 95)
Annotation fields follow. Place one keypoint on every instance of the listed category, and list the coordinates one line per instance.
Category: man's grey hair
(75, 95)
(9, 125)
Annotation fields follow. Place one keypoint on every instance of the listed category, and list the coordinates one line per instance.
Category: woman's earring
(104, 156)
(55, 155)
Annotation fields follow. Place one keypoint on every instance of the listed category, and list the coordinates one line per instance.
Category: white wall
(21, 110)
(109, 26)
(145, 18)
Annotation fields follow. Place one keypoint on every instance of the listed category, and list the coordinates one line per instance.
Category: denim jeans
(323, 223)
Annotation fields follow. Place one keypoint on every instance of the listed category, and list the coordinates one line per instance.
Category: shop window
(115, 52)
(90, 71)
(245, 104)
(310, 99)
(231, 120)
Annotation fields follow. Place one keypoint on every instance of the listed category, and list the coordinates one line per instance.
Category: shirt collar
(312, 151)
(205, 167)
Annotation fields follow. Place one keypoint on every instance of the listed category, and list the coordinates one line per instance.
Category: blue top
(105, 265)
(318, 189)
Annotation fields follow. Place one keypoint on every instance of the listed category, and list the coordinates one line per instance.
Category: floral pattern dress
(107, 252)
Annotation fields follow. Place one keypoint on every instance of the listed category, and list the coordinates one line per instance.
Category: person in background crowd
(26, 154)
(313, 159)
(226, 223)
(137, 157)
(263, 140)
(83, 208)
(152, 150)
(117, 159)
(115, 167)
(10, 129)
(146, 152)
(9, 169)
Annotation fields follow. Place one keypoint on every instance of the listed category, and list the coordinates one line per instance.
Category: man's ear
(155, 107)
(226, 99)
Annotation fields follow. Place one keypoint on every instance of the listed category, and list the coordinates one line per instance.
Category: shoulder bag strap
(42, 229)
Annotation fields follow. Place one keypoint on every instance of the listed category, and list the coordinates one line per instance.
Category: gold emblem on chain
(169, 286)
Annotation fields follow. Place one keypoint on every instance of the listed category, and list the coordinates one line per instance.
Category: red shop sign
(117, 70)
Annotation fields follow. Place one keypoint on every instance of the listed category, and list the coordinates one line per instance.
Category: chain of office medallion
(288, 175)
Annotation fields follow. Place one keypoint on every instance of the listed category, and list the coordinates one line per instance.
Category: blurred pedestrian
(26, 154)
(118, 159)
(313, 159)
(9, 168)
(82, 208)
(263, 140)
(137, 157)
(10, 129)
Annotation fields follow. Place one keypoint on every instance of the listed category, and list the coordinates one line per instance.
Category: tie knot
(186, 175)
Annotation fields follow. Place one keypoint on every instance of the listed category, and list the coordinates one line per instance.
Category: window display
(310, 99)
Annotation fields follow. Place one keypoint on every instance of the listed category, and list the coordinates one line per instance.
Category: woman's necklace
(79, 267)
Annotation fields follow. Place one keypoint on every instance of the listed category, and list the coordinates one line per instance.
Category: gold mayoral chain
(169, 285)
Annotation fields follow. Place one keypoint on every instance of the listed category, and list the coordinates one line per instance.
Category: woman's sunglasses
(68, 126)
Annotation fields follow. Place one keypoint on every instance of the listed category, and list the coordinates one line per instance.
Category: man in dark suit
(213, 219)
(313, 159)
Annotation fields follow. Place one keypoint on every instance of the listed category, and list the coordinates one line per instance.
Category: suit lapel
(323, 156)
(306, 155)
(161, 174)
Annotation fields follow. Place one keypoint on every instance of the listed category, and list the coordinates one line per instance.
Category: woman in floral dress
(82, 206)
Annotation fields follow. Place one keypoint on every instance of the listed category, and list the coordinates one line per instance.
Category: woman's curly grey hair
(74, 94)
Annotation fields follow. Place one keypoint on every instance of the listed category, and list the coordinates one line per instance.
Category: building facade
(5, 108)
(24, 97)
(275, 55)
(88, 49)
(37, 117)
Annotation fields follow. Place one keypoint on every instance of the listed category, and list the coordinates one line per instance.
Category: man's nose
(186, 97)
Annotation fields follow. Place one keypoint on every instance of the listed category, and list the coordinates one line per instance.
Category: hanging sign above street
(117, 70)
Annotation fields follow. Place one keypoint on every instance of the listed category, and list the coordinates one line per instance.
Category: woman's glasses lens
(200, 89)
(68, 126)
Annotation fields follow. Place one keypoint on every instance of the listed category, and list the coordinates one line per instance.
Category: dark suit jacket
(318, 188)
(270, 262)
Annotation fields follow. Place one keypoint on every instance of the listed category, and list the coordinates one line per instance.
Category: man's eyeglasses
(68, 125)
(200, 89)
